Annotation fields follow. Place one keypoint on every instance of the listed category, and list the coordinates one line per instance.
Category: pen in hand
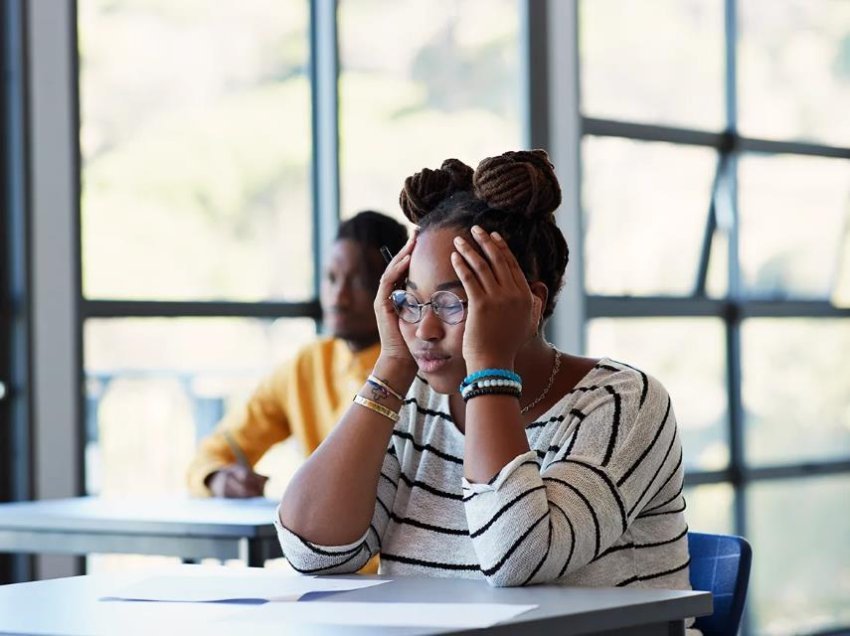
(241, 459)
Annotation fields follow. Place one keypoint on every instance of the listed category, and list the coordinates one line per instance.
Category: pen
(386, 253)
(240, 455)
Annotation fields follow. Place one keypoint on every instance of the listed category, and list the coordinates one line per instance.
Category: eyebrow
(453, 284)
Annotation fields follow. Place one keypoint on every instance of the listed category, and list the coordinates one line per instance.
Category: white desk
(70, 607)
(188, 528)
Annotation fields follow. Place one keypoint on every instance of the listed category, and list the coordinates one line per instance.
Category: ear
(540, 294)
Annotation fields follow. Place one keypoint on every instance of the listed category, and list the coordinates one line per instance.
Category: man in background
(305, 396)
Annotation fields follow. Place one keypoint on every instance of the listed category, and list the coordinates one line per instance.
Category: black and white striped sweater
(596, 502)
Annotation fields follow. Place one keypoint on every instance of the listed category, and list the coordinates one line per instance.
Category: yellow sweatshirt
(304, 397)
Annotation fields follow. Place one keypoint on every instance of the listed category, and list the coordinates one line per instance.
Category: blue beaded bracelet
(490, 373)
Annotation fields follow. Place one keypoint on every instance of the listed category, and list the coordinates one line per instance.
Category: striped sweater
(596, 502)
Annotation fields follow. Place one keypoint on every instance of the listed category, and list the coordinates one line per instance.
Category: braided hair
(515, 194)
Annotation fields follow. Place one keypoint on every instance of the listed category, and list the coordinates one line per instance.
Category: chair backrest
(720, 564)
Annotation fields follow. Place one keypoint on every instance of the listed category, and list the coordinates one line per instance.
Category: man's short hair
(374, 230)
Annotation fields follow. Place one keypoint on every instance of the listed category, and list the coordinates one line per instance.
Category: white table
(188, 528)
(70, 607)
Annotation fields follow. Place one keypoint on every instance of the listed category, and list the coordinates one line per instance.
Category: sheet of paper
(235, 588)
(460, 615)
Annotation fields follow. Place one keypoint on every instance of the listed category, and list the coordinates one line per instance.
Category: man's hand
(236, 481)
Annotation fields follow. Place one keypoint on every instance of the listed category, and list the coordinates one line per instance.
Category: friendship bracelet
(378, 408)
(376, 381)
(483, 384)
(506, 374)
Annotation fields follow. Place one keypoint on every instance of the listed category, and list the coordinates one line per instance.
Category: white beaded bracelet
(494, 382)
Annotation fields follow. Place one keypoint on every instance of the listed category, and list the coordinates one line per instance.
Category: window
(716, 208)
(419, 79)
(196, 191)
(205, 189)
(196, 164)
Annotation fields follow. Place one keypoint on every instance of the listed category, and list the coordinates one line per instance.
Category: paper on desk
(461, 615)
(237, 588)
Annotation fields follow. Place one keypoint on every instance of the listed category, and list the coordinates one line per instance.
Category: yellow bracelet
(373, 379)
(378, 408)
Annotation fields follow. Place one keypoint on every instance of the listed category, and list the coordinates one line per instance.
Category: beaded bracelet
(491, 391)
(481, 392)
(378, 382)
(378, 408)
(483, 384)
(507, 374)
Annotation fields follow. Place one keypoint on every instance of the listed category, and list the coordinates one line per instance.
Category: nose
(430, 328)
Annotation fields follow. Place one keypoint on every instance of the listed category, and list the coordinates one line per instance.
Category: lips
(431, 362)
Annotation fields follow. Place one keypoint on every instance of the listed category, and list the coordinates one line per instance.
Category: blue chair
(720, 564)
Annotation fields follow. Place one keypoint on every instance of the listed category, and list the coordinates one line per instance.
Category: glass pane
(421, 81)
(195, 143)
(794, 70)
(795, 217)
(155, 386)
(696, 381)
(710, 508)
(717, 279)
(795, 389)
(628, 71)
(800, 580)
(636, 197)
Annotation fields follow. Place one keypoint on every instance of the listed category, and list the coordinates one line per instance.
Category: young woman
(476, 448)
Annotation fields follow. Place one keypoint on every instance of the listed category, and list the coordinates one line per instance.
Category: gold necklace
(555, 367)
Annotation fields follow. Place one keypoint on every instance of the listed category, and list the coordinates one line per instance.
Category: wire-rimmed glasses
(445, 305)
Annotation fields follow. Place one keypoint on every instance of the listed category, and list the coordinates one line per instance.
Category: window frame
(16, 475)
(736, 306)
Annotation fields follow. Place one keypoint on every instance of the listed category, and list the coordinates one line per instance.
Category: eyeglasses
(445, 305)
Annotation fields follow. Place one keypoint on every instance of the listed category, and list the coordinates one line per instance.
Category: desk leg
(676, 628)
(254, 554)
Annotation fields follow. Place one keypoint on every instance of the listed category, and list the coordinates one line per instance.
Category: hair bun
(522, 182)
(424, 191)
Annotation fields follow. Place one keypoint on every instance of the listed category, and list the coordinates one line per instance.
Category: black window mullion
(708, 234)
(651, 132)
(324, 83)
(198, 309)
(16, 466)
(733, 322)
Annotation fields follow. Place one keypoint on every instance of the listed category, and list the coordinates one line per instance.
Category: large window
(205, 189)
(195, 191)
(420, 79)
(716, 214)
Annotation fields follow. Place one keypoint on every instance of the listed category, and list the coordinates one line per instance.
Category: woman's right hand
(394, 351)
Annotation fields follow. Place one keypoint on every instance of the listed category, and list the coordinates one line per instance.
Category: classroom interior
(173, 175)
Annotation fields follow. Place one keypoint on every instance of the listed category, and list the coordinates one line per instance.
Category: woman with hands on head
(476, 448)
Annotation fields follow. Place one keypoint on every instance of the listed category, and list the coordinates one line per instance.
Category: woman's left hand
(502, 314)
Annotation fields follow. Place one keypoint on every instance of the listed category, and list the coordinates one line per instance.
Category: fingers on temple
(511, 263)
(495, 255)
(479, 266)
(467, 277)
